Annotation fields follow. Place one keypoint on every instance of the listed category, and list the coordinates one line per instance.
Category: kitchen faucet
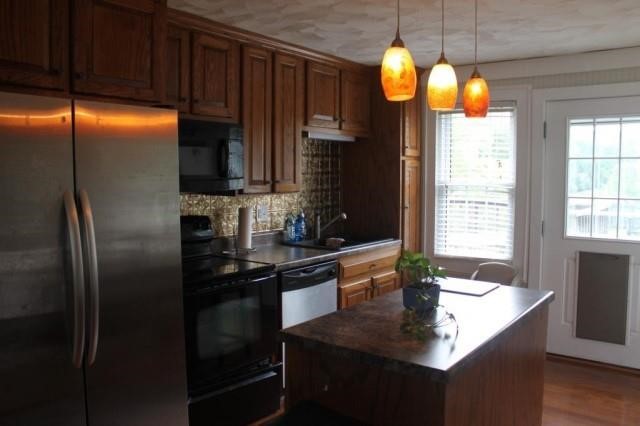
(320, 229)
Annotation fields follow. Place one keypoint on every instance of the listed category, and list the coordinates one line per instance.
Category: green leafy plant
(420, 271)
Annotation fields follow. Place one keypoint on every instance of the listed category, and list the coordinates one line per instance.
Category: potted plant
(423, 292)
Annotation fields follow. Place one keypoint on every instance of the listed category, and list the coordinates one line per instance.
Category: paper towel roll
(245, 215)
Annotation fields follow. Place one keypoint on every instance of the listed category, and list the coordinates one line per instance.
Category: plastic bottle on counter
(300, 227)
(289, 227)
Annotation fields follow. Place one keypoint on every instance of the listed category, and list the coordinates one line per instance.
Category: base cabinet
(367, 275)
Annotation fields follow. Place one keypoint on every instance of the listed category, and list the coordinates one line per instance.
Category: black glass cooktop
(214, 268)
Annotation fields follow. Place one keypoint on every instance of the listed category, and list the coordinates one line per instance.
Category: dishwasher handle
(297, 279)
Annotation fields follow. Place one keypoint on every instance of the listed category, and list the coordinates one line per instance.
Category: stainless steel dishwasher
(308, 293)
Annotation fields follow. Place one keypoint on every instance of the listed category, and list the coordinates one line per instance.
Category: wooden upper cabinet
(119, 48)
(216, 77)
(178, 68)
(257, 84)
(411, 122)
(354, 95)
(323, 96)
(34, 43)
(411, 205)
(288, 117)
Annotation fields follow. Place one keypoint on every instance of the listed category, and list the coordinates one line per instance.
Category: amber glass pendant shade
(442, 88)
(398, 73)
(476, 96)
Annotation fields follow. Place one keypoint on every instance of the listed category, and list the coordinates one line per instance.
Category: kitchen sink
(346, 245)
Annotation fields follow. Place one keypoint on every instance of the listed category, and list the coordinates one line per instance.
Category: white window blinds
(475, 185)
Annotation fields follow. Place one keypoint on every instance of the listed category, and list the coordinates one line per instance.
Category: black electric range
(231, 310)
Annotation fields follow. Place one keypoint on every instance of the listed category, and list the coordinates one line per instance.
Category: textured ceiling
(361, 29)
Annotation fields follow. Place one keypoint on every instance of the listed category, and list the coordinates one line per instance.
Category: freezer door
(38, 382)
(127, 162)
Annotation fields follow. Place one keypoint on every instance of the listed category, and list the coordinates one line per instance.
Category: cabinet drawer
(368, 263)
(354, 293)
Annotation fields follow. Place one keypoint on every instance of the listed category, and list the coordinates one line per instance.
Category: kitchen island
(358, 362)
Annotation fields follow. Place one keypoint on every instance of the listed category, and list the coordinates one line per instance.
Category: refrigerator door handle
(94, 286)
(73, 226)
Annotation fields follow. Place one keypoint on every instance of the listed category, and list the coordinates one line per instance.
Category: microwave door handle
(94, 286)
(223, 159)
(78, 329)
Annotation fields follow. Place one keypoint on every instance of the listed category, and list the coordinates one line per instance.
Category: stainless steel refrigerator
(91, 322)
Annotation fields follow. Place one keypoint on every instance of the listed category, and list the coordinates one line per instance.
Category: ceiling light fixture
(442, 88)
(476, 95)
(398, 71)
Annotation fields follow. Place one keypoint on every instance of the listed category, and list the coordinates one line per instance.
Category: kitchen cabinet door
(216, 77)
(257, 104)
(353, 293)
(119, 48)
(411, 122)
(323, 96)
(385, 283)
(411, 205)
(354, 95)
(34, 43)
(288, 117)
(178, 68)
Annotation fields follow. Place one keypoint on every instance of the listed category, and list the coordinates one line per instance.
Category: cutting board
(468, 287)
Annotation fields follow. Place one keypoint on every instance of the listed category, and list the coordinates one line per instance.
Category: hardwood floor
(587, 395)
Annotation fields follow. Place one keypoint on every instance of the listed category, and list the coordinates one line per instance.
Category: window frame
(511, 190)
(518, 96)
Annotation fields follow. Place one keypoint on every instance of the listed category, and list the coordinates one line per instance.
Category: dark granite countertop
(370, 331)
(287, 257)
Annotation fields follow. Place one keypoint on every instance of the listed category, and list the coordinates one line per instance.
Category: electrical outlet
(262, 212)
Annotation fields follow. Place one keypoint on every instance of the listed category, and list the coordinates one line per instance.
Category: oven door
(229, 326)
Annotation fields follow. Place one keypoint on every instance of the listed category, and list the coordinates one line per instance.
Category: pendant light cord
(398, 19)
(475, 60)
(442, 50)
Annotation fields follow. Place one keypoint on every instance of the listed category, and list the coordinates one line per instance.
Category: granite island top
(370, 331)
(287, 257)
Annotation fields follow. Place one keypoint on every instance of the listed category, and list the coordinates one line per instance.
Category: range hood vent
(314, 134)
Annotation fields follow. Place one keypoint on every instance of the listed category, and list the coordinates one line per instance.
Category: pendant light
(442, 88)
(398, 72)
(476, 95)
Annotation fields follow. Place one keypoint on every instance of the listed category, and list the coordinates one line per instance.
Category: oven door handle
(264, 376)
(234, 284)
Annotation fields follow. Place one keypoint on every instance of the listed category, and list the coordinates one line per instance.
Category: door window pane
(607, 137)
(580, 179)
(581, 139)
(630, 178)
(605, 218)
(629, 220)
(603, 182)
(631, 137)
(579, 217)
(605, 178)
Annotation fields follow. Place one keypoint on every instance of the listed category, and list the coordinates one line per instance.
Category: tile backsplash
(320, 192)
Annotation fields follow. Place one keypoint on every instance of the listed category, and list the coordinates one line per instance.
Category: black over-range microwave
(211, 157)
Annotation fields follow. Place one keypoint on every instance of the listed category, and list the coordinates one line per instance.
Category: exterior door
(592, 204)
(127, 162)
(38, 382)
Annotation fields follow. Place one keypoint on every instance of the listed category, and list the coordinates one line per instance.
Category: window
(603, 188)
(475, 185)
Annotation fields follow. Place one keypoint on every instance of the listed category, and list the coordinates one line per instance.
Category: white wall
(536, 76)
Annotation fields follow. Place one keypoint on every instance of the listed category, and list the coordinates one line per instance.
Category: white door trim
(540, 98)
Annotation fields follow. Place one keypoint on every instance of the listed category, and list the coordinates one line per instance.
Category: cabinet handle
(373, 265)
(182, 100)
(79, 76)
(406, 207)
(195, 101)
